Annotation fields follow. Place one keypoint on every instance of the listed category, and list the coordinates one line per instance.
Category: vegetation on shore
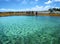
(50, 12)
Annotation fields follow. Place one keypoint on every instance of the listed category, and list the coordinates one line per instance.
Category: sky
(28, 5)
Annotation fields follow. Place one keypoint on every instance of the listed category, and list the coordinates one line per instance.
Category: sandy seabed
(29, 30)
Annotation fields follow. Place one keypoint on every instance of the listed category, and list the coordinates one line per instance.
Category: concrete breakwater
(29, 13)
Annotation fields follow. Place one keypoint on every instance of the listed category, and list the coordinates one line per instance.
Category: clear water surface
(30, 30)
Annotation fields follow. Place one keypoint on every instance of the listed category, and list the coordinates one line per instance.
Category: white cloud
(3, 9)
(57, 0)
(36, 8)
(48, 2)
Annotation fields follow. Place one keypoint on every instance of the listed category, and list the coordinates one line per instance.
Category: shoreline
(29, 13)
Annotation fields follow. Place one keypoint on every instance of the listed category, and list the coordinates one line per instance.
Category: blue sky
(28, 5)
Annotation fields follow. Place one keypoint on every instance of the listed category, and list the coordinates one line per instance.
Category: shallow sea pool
(30, 30)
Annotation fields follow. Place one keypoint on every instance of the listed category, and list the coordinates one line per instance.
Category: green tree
(51, 10)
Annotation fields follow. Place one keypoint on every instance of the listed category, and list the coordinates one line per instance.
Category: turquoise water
(30, 30)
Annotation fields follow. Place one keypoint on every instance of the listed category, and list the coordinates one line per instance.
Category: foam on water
(30, 28)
